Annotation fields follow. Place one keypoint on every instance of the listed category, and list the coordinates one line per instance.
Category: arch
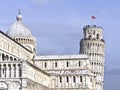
(29, 40)
(55, 64)
(74, 79)
(19, 39)
(15, 59)
(4, 70)
(67, 63)
(95, 54)
(14, 65)
(80, 78)
(94, 63)
(23, 40)
(97, 36)
(15, 85)
(67, 79)
(3, 85)
(9, 66)
(7, 57)
(89, 37)
(11, 59)
(90, 54)
(45, 64)
(16, 39)
(3, 56)
(60, 79)
(20, 72)
(26, 40)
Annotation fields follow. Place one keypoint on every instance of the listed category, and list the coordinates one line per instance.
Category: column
(7, 70)
(17, 70)
(12, 70)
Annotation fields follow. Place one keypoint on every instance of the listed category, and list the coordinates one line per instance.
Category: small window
(67, 79)
(45, 64)
(3, 57)
(60, 79)
(80, 78)
(97, 36)
(89, 36)
(74, 80)
(55, 64)
(79, 63)
(67, 64)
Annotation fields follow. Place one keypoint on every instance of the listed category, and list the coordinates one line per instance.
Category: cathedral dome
(18, 29)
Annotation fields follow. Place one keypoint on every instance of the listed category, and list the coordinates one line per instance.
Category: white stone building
(22, 69)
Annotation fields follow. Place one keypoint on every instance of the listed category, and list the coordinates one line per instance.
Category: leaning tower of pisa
(94, 46)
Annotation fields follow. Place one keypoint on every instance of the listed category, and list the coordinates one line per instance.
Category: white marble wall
(70, 71)
(10, 46)
(35, 74)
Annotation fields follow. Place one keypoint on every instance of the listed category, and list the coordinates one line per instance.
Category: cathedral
(22, 69)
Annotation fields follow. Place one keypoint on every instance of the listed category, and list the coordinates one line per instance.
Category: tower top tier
(93, 32)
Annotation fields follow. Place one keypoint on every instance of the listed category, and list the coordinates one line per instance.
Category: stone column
(17, 70)
(7, 70)
(12, 70)
(2, 75)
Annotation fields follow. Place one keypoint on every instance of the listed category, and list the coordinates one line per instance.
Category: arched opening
(97, 36)
(21, 40)
(55, 64)
(45, 65)
(15, 86)
(11, 59)
(60, 79)
(9, 66)
(7, 58)
(67, 79)
(67, 64)
(3, 86)
(20, 72)
(15, 59)
(89, 37)
(14, 65)
(4, 70)
(74, 79)
(80, 78)
(3, 57)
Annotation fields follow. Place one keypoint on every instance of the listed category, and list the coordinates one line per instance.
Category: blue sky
(57, 24)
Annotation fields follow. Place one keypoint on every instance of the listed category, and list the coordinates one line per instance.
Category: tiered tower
(94, 46)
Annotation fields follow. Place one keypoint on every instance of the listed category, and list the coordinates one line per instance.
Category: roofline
(32, 65)
(56, 57)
